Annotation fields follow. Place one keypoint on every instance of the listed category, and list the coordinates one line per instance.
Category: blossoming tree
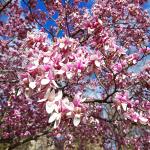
(54, 52)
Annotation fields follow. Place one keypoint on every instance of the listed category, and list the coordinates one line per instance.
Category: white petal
(36, 62)
(59, 95)
(55, 84)
(134, 61)
(46, 60)
(97, 63)
(57, 121)
(42, 100)
(45, 81)
(61, 64)
(56, 108)
(69, 75)
(53, 117)
(66, 100)
(77, 119)
(143, 120)
(69, 106)
(32, 85)
(100, 21)
(106, 47)
(90, 31)
(19, 92)
(61, 45)
(50, 107)
(69, 114)
(118, 107)
(58, 116)
(124, 106)
(60, 72)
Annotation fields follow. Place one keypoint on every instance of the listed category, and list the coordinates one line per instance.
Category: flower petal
(60, 72)
(100, 21)
(42, 100)
(90, 30)
(97, 63)
(52, 95)
(45, 81)
(50, 106)
(106, 47)
(143, 120)
(47, 94)
(46, 60)
(53, 117)
(57, 121)
(77, 119)
(32, 85)
(61, 45)
(59, 95)
(69, 106)
(55, 84)
(69, 75)
(124, 106)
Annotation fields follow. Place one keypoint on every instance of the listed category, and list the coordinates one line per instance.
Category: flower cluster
(84, 74)
(131, 109)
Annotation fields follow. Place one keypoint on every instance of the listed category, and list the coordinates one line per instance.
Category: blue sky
(81, 4)
(147, 5)
(52, 23)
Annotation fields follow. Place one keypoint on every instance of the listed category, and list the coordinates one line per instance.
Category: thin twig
(5, 5)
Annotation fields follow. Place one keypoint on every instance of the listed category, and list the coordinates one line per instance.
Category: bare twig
(5, 5)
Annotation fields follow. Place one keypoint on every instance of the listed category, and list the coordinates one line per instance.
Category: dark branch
(9, 81)
(98, 101)
(5, 5)
(27, 140)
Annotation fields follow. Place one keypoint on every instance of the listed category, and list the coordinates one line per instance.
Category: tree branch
(9, 81)
(27, 140)
(98, 101)
(5, 5)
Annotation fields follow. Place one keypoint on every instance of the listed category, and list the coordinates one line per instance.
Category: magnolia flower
(100, 21)
(50, 107)
(61, 45)
(69, 74)
(49, 95)
(32, 85)
(60, 72)
(117, 67)
(124, 106)
(97, 63)
(55, 117)
(68, 105)
(77, 119)
(46, 60)
(106, 47)
(134, 116)
(143, 120)
(90, 30)
(55, 84)
(45, 81)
